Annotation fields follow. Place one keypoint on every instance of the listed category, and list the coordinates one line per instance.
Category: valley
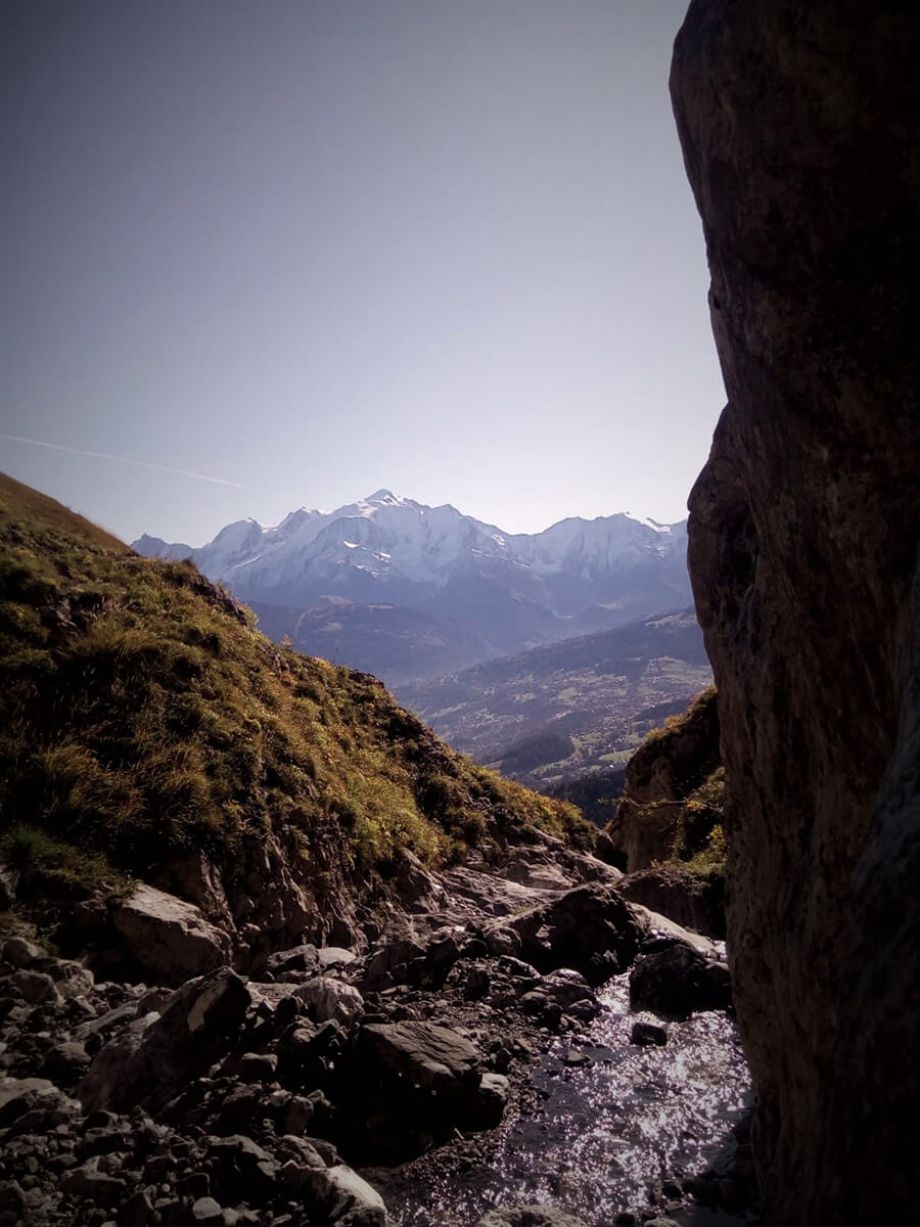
(580, 707)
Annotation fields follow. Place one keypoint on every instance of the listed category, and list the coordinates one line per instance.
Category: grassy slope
(141, 714)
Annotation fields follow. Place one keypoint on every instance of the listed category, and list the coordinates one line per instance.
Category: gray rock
(331, 1000)
(159, 1052)
(33, 986)
(169, 938)
(207, 1211)
(427, 1056)
(345, 1198)
(21, 953)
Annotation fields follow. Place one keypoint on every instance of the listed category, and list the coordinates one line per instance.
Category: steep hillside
(149, 730)
(415, 575)
(800, 124)
(550, 715)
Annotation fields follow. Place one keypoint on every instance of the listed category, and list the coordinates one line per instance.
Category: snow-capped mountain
(508, 591)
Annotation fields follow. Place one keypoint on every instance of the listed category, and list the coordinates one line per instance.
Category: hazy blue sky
(315, 248)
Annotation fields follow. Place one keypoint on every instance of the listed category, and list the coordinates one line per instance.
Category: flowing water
(604, 1132)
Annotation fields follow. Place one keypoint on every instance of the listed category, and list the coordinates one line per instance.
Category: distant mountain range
(404, 590)
(557, 713)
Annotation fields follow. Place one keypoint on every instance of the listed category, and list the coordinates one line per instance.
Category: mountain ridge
(500, 592)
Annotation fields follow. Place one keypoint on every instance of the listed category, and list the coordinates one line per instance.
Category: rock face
(667, 768)
(800, 121)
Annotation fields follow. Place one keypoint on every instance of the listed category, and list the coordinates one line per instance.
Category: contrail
(143, 464)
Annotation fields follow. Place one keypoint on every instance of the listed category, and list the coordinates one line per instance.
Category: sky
(257, 256)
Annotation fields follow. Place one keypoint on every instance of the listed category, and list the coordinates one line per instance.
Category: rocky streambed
(490, 1046)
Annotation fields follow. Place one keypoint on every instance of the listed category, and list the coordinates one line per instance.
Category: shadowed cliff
(799, 124)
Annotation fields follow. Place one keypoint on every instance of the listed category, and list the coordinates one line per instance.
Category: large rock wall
(800, 124)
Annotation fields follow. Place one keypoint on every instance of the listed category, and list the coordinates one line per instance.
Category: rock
(591, 929)
(803, 554)
(71, 979)
(335, 958)
(410, 1084)
(168, 938)
(20, 953)
(241, 1168)
(207, 1210)
(647, 1034)
(159, 1052)
(9, 881)
(328, 1000)
(678, 981)
(567, 987)
(294, 965)
(529, 1216)
(345, 1198)
(257, 1066)
(694, 901)
(434, 1058)
(66, 1062)
(32, 986)
(89, 1182)
(494, 1089)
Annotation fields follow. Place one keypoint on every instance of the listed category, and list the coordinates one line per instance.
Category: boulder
(331, 1000)
(591, 929)
(410, 1084)
(345, 1198)
(293, 965)
(169, 939)
(677, 981)
(21, 953)
(158, 1052)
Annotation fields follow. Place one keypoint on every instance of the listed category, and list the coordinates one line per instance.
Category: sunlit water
(605, 1132)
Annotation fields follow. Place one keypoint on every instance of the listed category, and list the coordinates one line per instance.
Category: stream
(604, 1132)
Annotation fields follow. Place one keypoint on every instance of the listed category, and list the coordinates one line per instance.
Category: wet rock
(345, 1198)
(677, 981)
(411, 1083)
(168, 938)
(647, 1034)
(591, 929)
(529, 1216)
